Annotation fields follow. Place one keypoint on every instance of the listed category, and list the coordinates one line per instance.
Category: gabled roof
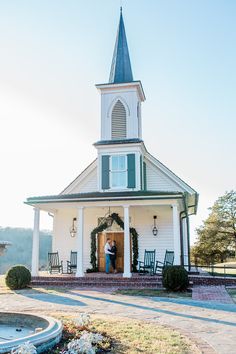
(121, 67)
(80, 177)
(187, 190)
(170, 174)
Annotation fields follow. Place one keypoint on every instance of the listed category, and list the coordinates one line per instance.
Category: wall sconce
(73, 228)
(154, 229)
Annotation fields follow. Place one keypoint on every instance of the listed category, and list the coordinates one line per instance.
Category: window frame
(112, 172)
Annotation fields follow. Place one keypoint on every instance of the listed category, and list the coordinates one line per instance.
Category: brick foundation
(110, 281)
(210, 280)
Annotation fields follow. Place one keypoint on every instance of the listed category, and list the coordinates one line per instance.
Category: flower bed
(78, 337)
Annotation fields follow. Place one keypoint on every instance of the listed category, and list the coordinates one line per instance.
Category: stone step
(95, 279)
(99, 285)
(96, 282)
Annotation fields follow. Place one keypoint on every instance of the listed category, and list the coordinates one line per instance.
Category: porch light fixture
(107, 219)
(155, 229)
(73, 229)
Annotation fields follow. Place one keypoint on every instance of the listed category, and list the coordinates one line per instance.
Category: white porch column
(79, 242)
(176, 234)
(127, 253)
(35, 244)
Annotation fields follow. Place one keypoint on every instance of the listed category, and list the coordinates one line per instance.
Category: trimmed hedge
(175, 278)
(18, 277)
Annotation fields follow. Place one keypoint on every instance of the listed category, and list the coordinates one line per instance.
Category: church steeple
(121, 97)
(121, 71)
(120, 149)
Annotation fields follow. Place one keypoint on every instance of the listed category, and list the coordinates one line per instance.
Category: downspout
(187, 226)
(181, 236)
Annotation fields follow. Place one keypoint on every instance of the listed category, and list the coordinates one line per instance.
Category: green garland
(93, 259)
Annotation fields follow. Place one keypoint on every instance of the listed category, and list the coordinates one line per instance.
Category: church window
(118, 121)
(118, 171)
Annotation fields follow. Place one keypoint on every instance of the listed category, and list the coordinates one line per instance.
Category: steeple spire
(121, 67)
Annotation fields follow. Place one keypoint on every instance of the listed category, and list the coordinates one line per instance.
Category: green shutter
(141, 172)
(144, 176)
(131, 170)
(105, 172)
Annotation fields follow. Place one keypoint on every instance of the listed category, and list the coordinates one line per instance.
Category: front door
(119, 238)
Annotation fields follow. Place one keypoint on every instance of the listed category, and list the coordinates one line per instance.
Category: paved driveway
(212, 322)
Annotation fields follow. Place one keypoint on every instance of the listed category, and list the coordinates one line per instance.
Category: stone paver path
(212, 293)
(213, 323)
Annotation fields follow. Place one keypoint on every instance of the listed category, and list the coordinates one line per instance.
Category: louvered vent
(118, 121)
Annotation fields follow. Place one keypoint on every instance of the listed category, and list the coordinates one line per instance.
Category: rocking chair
(148, 265)
(54, 264)
(168, 261)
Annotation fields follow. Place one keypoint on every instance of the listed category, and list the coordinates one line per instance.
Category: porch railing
(213, 269)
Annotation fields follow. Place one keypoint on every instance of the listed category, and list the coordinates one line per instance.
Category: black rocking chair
(168, 261)
(54, 264)
(148, 265)
(72, 263)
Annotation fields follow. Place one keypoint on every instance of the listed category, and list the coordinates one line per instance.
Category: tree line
(216, 237)
(21, 249)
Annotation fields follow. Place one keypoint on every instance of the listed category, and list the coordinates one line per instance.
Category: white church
(126, 194)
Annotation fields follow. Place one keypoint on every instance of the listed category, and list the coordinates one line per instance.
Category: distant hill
(21, 249)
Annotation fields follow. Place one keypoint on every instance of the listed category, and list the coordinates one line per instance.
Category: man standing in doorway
(107, 250)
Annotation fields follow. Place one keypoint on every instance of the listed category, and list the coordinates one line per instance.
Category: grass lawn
(221, 271)
(232, 293)
(154, 292)
(133, 336)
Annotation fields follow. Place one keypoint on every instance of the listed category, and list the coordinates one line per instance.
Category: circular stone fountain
(18, 328)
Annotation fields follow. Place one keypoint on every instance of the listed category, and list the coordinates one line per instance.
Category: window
(118, 171)
(118, 121)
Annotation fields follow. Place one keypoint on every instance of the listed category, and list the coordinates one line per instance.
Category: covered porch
(135, 214)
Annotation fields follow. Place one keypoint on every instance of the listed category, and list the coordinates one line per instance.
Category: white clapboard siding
(143, 221)
(86, 185)
(64, 243)
(158, 180)
(89, 184)
(118, 121)
(141, 218)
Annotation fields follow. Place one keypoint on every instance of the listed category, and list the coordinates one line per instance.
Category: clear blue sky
(52, 54)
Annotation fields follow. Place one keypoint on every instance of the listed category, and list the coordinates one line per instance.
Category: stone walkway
(212, 293)
(209, 322)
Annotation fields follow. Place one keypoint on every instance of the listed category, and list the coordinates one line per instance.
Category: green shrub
(175, 278)
(18, 277)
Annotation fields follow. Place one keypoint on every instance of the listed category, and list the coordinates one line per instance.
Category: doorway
(119, 238)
